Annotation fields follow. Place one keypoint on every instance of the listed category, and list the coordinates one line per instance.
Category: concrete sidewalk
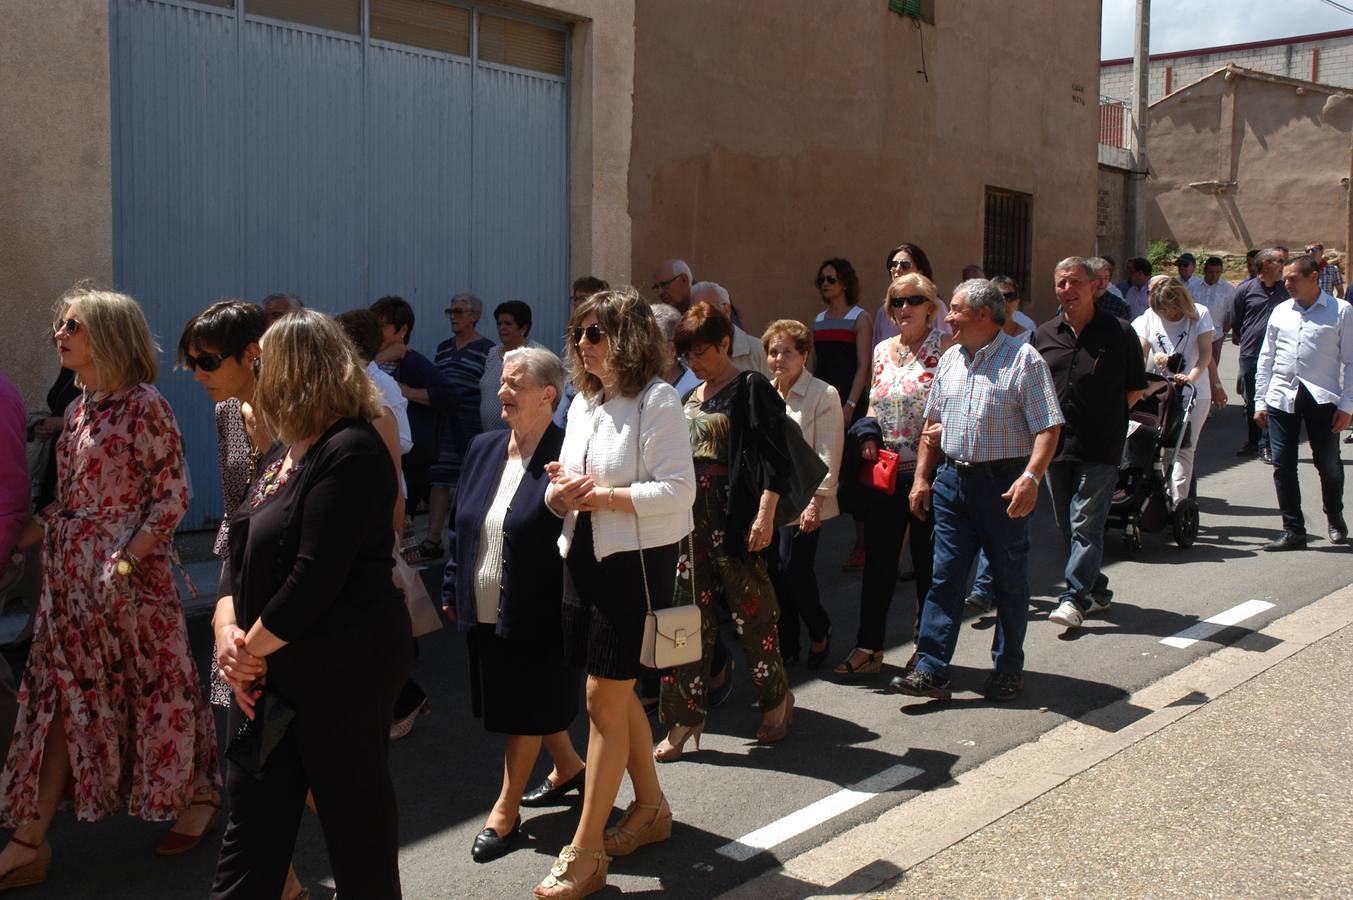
(1250, 794)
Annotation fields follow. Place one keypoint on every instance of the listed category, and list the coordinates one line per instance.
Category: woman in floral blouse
(111, 701)
(903, 368)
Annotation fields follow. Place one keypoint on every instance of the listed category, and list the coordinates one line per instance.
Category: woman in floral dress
(110, 701)
(903, 369)
(742, 468)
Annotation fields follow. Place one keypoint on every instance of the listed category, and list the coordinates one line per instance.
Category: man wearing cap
(1186, 265)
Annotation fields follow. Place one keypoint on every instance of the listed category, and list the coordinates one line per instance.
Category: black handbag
(809, 470)
(256, 738)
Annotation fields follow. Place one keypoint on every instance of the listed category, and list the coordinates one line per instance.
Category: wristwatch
(1029, 475)
(126, 563)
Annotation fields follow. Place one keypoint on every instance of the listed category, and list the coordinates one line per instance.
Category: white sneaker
(1068, 615)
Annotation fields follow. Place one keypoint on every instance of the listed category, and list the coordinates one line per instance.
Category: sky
(1191, 24)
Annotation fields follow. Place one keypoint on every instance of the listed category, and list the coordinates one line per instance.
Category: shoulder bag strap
(639, 538)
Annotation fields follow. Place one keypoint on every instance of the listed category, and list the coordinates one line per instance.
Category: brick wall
(1335, 66)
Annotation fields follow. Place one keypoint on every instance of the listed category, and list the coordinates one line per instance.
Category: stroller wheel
(1184, 523)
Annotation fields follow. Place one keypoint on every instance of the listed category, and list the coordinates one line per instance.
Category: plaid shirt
(992, 402)
(1330, 278)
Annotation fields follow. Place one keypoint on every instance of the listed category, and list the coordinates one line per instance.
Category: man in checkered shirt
(993, 411)
(1331, 279)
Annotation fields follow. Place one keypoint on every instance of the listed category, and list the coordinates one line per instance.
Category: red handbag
(882, 475)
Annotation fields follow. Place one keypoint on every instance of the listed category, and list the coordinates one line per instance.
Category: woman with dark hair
(905, 259)
(310, 594)
(624, 484)
(111, 712)
(513, 320)
(843, 340)
(742, 468)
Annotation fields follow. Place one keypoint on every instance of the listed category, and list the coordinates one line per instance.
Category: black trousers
(337, 747)
(1284, 431)
(884, 527)
(791, 571)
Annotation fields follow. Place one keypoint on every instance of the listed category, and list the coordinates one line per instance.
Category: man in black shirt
(1254, 301)
(1098, 368)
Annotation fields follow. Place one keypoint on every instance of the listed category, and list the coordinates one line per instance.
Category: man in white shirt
(1217, 294)
(747, 352)
(1186, 265)
(1138, 294)
(1306, 376)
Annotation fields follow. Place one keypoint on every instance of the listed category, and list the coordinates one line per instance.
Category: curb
(869, 857)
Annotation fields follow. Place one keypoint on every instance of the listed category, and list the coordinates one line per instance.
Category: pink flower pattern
(899, 392)
(111, 655)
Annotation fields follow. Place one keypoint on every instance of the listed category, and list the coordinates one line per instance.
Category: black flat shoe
(1286, 541)
(546, 794)
(816, 658)
(1338, 532)
(488, 845)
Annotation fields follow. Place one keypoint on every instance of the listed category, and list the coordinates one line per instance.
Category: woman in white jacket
(624, 484)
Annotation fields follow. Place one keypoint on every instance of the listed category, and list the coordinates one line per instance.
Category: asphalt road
(883, 748)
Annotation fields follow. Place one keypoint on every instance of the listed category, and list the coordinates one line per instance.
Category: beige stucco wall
(56, 189)
(767, 142)
(1286, 154)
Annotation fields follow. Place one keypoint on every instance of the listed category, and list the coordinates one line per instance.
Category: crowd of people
(669, 459)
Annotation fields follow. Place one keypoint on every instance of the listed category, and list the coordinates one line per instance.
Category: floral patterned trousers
(746, 587)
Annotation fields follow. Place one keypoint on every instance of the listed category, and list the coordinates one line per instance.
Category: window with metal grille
(1006, 236)
(422, 23)
(917, 9)
(332, 15)
(521, 44)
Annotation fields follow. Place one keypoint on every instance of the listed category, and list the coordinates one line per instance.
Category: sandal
(176, 842)
(622, 840)
(672, 747)
(563, 884)
(29, 873)
(872, 665)
(430, 550)
(769, 734)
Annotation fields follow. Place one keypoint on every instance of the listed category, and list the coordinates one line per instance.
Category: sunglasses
(1314, 250)
(1009, 295)
(826, 279)
(69, 326)
(594, 333)
(207, 362)
(902, 263)
(909, 300)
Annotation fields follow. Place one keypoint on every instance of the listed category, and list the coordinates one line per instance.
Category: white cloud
(1191, 24)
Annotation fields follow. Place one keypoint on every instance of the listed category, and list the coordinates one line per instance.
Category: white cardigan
(816, 407)
(603, 439)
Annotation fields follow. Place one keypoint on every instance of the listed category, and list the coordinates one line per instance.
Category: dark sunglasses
(826, 279)
(207, 362)
(909, 300)
(69, 326)
(1009, 295)
(1314, 250)
(593, 333)
(904, 264)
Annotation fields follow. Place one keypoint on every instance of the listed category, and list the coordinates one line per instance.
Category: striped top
(834, 345)
(992, 402)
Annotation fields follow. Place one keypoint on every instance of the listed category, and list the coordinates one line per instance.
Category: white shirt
(688, 382)
(815, 407)
(1138, 299)
(1113, 289)
(1194, 282)
(395, 401)
(1177, 337)
(615, 441)
(488, 568)
(1025, 323)
(1307, 346)
(1218, 299)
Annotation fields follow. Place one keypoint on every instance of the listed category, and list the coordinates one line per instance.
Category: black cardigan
(532, 579)
(757, 452)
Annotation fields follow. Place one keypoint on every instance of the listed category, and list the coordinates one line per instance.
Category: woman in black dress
(309, 573)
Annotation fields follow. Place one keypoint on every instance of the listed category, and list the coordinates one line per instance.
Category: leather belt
(992, 467)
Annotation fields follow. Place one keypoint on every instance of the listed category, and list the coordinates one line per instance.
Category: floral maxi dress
(110, 654)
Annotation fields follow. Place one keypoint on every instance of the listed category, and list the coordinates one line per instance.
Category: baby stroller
(1158, 422)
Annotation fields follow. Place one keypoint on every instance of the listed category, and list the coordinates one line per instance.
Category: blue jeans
(1081, 495)
(1249, 369)
(969, 515)
(1284, 431)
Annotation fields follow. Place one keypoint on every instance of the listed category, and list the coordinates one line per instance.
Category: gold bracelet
(126, 563)
(610, 499)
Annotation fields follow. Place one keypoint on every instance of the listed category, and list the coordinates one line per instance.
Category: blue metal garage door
(337, 149)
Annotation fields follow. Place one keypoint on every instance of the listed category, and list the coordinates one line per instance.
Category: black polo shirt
(1093, 372)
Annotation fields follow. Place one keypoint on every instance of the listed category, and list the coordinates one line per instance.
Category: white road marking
(1208, 627)
(814, 814)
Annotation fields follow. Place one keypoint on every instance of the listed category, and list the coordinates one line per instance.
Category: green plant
(1161, 253)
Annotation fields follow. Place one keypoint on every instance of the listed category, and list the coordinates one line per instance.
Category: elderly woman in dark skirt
(503, 582)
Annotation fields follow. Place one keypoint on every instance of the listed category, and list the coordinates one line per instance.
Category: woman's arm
(1203, 367)
(829, 436)
(158, 455)
(864, 356)
(665, 445)
(388, 429)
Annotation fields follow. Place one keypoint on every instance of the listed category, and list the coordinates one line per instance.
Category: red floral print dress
(110, 655)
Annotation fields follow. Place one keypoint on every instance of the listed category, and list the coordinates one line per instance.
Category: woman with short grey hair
(674, 373)
(542, 366)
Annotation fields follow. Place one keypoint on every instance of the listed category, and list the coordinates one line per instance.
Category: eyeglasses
(1009, 295)
(826, 279)
(456, 311)
(909, 300)
(207, 362)
(594, 333)
(69, 326)
(662, 285)
(1314, 250)
(902, 263)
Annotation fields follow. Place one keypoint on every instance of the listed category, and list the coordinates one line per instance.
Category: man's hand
(920, 498)
(1261, 418)
(1340, 421)
(1023, 497)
